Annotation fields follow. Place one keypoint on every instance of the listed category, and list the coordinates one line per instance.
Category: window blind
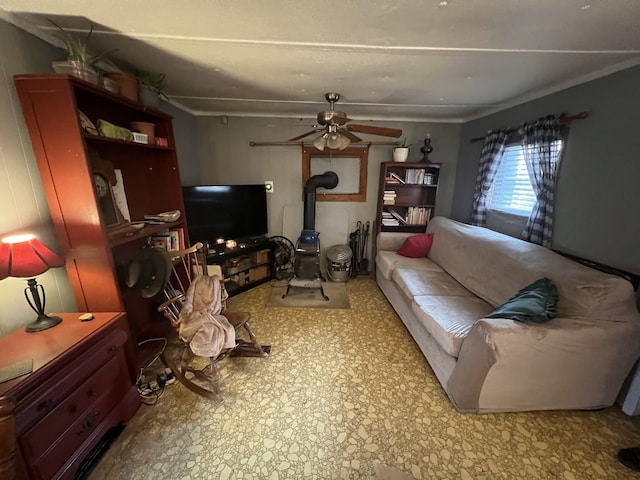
(511, 190)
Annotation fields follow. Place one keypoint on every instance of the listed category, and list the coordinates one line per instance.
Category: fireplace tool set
(358, 243)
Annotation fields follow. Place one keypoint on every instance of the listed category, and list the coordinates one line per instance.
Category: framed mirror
(351, 166)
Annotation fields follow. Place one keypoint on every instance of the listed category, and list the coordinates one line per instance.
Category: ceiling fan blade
(349, 135)
(371, 130)
(339, 120)
(303, 135)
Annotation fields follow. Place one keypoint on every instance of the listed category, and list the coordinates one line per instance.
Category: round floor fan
(283, 252)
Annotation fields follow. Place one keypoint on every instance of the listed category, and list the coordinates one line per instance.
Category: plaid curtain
(490, 156)
(542, 141)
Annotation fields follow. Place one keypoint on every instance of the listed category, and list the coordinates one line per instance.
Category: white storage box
(140, 137)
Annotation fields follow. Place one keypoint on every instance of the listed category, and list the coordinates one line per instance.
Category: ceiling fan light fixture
(344, 142)
(333, 141)
(321, 141)
(337, 141)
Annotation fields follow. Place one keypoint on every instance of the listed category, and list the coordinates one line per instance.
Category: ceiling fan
(336, 134)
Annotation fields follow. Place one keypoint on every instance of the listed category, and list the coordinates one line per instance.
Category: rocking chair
(187, 266)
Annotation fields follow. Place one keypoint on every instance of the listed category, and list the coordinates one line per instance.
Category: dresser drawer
(48, 444)
(81, 386)
(48, 396)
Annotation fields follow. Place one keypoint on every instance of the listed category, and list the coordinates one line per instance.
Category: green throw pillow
(536, 303)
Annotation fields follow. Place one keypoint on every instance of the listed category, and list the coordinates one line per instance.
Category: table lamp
(24, 256)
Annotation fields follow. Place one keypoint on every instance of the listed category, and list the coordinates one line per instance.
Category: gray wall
(598, 196)
(227, 158)
(23, 205)
(185, 131)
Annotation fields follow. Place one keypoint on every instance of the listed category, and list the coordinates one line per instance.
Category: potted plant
(401, 152)
(80, 61)
(151, 86)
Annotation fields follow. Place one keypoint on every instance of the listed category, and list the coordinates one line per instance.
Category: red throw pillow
(416, 246)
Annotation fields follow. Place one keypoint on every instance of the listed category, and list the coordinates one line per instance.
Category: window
(512, 191)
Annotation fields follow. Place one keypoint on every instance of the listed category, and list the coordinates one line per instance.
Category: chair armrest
(171, 309)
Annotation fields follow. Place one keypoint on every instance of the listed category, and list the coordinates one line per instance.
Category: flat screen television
(237, 212)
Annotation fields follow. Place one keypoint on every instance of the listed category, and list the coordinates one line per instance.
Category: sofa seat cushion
(387, 261)
(414, 282)
(449, 318)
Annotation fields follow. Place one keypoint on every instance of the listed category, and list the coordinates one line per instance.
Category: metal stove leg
(322, 292)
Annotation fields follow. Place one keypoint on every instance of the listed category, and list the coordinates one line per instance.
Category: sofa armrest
(567, 363)
(391, 241)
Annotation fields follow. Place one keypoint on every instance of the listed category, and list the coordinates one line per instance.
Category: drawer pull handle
(92, 393)
(89, 422)
(45, 405)
(112, 348)
(73, 409)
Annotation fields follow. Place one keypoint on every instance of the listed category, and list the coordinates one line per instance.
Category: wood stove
(306, 265)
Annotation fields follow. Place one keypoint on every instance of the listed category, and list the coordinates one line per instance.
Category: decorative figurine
(426, 149)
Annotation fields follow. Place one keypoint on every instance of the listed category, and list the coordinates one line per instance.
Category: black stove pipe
(327, 180)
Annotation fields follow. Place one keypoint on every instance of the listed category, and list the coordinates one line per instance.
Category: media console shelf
(245, 266)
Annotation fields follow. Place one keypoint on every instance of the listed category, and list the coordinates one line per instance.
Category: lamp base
(43, 322)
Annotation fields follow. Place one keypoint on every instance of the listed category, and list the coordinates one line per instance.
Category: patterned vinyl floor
(344, 393)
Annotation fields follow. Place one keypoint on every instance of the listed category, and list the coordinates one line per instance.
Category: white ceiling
(411, 60)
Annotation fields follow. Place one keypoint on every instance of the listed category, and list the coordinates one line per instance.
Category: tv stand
(257, 240)
(245, 266)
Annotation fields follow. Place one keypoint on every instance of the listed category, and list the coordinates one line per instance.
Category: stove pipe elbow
(328, 180)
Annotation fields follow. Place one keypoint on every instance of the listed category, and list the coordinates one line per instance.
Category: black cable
(150, 398)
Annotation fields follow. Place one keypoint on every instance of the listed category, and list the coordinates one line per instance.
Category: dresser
(82, 384)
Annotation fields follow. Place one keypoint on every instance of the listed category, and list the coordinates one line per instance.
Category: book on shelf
(418, 215)
(396, 178)
(170, 240)
(177, 238)
(173, 236)
(415, 175)
(389, 197)
(400, 218)
(388, 220)
(161, 241)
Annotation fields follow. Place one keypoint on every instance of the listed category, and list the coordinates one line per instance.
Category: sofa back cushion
(391, 240)
(495, 266)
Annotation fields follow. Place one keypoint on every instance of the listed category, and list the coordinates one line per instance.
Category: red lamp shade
(24, 256)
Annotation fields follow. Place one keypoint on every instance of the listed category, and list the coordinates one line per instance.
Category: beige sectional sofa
(578, 360)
